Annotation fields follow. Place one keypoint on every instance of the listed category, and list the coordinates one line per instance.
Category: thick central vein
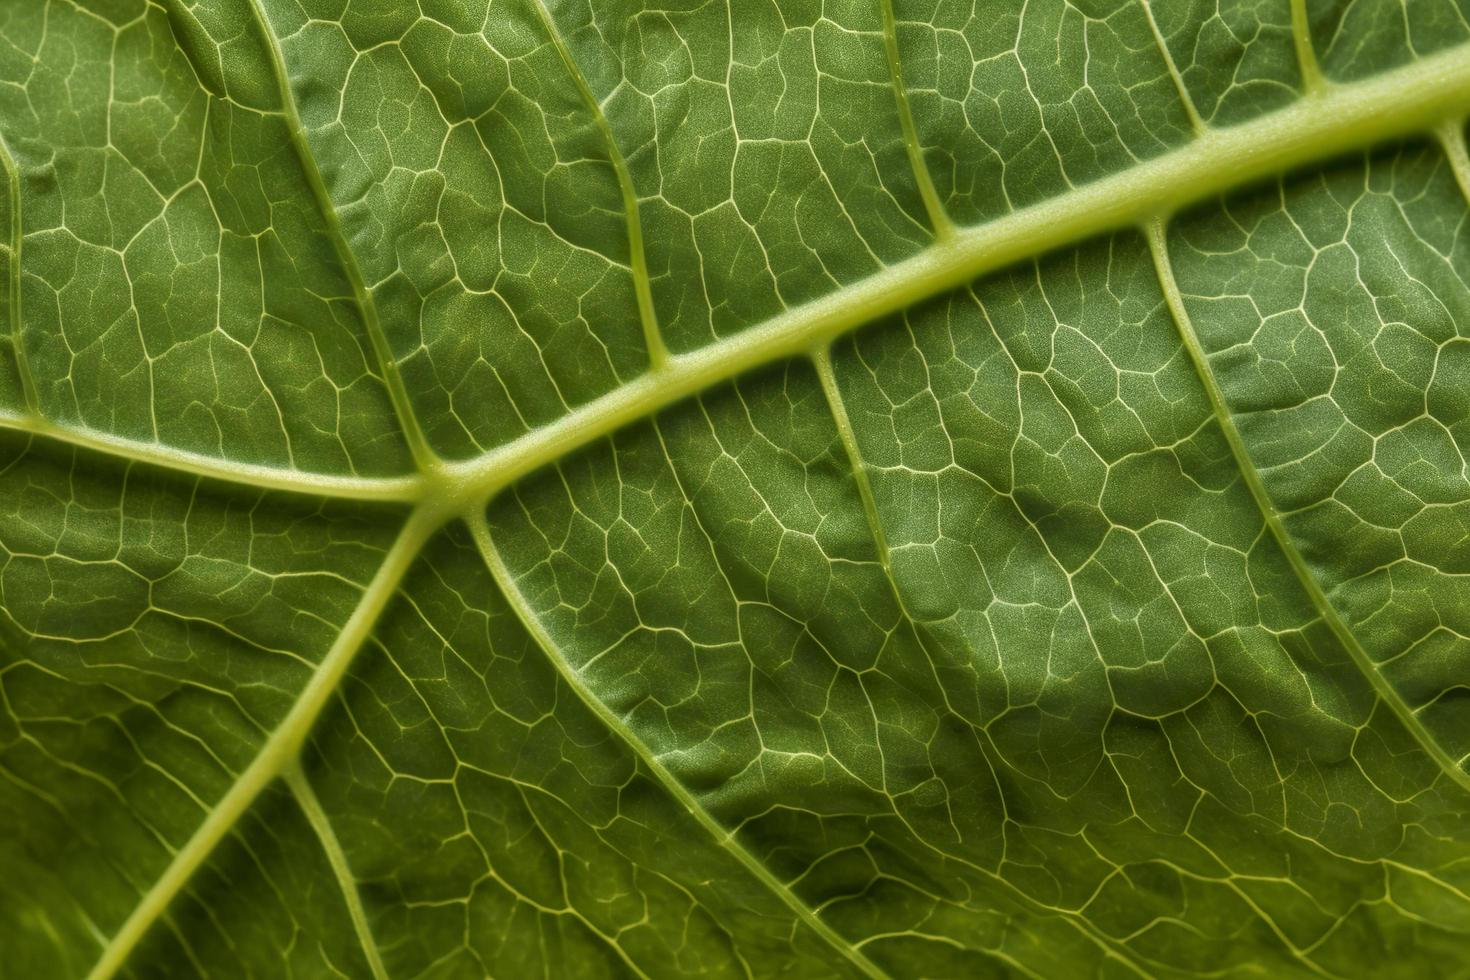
(1417, 98)
(1409, 100)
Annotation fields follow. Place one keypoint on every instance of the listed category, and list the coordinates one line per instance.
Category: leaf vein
(279, 751)
(413, 432)
(29, 394)
(1158, 246)
(186, 462)
(1110, 947)
(311, 807)
(939, 218)
(658, 352)
(1401, 102)
(480, 529)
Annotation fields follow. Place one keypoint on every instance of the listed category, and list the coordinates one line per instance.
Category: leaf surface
(883, 489)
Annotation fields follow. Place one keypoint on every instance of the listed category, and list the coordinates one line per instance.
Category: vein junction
(1333, 119)
(1415, 99)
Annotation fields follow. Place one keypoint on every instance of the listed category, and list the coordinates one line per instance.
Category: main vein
(803, 912)
(1408, 100)
(1416, 98)
(1158, 246)
(280, 749)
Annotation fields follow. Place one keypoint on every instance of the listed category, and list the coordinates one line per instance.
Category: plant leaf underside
(829, 490)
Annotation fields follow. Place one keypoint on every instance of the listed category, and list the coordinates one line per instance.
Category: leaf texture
(858, 488)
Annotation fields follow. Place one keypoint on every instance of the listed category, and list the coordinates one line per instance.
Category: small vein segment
(1313, 82)
(939, 218)
(418, 444)
(1111, 948)
(480, 529)
(280, 751)
(1158, 246)
(658, 351)
(311, 808)
(29, 394)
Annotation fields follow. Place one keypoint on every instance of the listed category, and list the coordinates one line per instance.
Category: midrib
(1336, 118)
(1414, 99)
(1409, 100)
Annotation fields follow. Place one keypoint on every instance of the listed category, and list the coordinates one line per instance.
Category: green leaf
(887, 488)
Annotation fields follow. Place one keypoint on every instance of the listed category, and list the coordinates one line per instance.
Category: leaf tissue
(734, 488)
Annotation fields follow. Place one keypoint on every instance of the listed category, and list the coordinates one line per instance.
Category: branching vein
(280, 749)
(1158, 246)
(300, 786)
(508, 587)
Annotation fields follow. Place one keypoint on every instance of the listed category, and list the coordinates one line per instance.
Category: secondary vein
(1196, 121)
(413, 432)
(1306, 53)
(311, 807)
(17, 237)
(255, 476)
(1158, 246)
(658, 351)
(1451, 135)
(480, 529)
(1111, 948)
(1404, 101)
(280, 749)
(939, 218)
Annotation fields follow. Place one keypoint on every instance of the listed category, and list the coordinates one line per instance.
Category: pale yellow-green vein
(1391, 698)
(277, 753)
(480, 529)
